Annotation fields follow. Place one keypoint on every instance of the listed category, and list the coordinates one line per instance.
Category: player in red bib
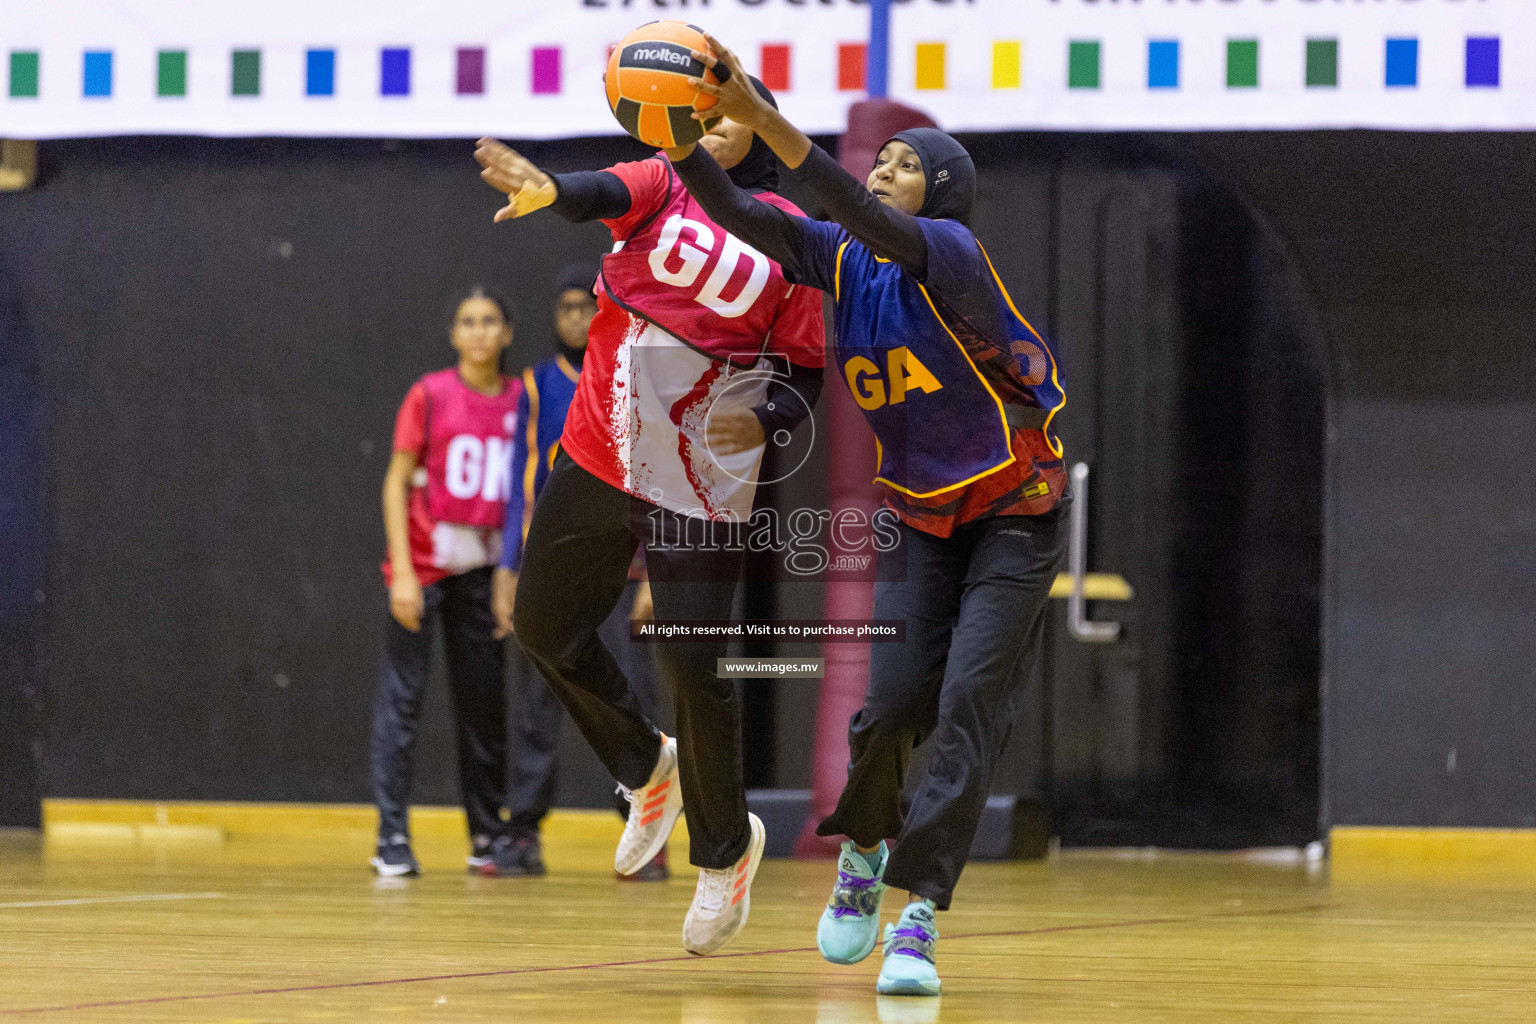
(701, 352)
(445, 497)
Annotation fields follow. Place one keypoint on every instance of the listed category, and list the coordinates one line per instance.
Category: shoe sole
(648, 873)
(392, 870)
(669, 815)
(754, 860)
(908, 987)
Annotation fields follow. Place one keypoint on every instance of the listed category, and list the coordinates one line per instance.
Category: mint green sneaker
(910, 945)
(850, 923)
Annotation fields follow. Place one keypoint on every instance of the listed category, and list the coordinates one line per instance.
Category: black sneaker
(654, 870)
(507, 857)
(393, 857)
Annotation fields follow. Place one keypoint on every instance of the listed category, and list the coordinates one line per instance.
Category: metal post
(1077, 558)
(877, 66)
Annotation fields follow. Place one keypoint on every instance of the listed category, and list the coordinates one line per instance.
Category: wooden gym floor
(288, 929)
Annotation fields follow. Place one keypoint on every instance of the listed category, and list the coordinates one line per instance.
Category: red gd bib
(683, 272)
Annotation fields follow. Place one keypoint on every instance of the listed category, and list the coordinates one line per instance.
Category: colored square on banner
(1483, 61)
(1083, 64)
(320, 72)
(852, 74)
(546, 70)
(24, 73)
(1322, 63)
(1007, 64)
(930, 66)
(1403, 63)
(171, 73)
(245, 73)
(1242, 63)
(1163, 64)
(394, 71)
(98, 73)
(775, 66)
(469, 71)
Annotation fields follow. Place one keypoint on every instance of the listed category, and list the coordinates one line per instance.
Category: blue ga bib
(938, 422)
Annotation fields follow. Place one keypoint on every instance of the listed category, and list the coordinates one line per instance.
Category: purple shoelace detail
(911, 941)
(853, 895)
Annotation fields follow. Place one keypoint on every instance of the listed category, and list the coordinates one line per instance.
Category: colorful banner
(532, 68)
(1219, 64)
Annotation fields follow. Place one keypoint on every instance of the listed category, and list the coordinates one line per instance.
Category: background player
(960, 392)
(662, 445)
(445, 498)
(547, 392)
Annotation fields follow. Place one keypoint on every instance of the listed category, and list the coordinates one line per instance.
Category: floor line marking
(558, 968)
(1215, 916)
(148, 898)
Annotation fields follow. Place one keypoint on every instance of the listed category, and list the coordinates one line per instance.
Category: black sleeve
(780, 408)
(885, 231)
(768, 229)
(590, 195)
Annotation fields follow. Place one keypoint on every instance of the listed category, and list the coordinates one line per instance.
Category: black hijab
(574, 277)
(951, 177)
(759, 169)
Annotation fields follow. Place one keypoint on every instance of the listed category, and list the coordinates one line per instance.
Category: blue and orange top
(960, 390)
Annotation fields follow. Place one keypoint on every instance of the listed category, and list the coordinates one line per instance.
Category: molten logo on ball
(667, 56)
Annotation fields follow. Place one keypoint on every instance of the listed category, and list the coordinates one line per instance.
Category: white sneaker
(653, 810)
(723, 898)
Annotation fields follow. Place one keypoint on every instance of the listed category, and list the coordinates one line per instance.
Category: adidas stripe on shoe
(723, 898)
(653, 811)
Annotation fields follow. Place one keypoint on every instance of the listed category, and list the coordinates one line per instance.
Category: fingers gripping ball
(648, 88)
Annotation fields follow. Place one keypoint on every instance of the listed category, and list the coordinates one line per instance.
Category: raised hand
(736, 98)
(507, 170)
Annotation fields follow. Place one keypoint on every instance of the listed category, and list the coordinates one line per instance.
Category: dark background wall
(223, 331)
(226, 330)
(24, 530)
(1195, 380)
(1417, 252)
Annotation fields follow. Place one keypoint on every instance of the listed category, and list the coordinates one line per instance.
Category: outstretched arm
(768, 229)
(527, 188)
(580, 196)
(885, 231)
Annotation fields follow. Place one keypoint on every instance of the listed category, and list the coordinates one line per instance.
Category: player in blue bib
(960, 392)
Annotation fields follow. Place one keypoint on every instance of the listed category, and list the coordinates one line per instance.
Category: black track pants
(577, 555)
(537, 717)
(974, 604)
(463, 604)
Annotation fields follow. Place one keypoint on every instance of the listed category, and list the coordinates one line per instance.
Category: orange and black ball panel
(647, 83)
